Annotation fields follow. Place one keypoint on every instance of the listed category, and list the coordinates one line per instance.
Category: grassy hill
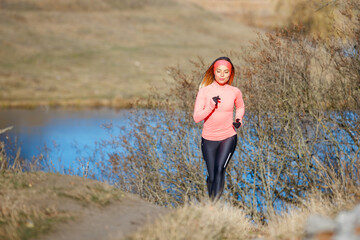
(103, 52)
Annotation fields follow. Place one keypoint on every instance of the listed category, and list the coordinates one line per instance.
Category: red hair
(209, 75)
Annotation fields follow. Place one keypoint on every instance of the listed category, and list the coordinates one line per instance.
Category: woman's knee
(220, 172)
(210, 178)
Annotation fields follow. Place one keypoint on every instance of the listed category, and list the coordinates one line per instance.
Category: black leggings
(217, 155)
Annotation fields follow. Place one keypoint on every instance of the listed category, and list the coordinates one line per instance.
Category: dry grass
(200, 221)
(32, 203)
(291, 224)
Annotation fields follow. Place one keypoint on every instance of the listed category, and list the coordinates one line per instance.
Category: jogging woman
(215, 105)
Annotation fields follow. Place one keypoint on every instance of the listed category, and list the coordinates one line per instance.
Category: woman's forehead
(222, 67)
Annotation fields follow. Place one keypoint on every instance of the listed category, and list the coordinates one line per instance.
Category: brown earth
(112, 222)
(40, 205)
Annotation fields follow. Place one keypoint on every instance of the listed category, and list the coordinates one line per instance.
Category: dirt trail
(40, 205)
(113, 222)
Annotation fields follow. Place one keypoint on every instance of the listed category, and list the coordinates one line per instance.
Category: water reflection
(67, 133)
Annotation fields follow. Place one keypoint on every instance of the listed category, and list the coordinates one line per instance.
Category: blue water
(63, 135)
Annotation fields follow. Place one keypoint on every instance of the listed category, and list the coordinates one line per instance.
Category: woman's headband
(222, 63)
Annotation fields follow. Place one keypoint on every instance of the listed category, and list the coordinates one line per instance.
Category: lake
(65, 133)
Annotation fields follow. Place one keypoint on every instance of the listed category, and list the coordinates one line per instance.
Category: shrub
(299, 133)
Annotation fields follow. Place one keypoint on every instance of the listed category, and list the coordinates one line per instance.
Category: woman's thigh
(225, 152)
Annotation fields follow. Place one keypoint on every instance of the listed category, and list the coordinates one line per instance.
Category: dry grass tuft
(200, 221)
(292, 223)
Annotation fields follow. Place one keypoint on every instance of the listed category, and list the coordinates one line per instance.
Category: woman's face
(222, 74)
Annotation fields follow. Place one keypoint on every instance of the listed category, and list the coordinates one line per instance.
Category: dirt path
(113, 222)
(33, 205)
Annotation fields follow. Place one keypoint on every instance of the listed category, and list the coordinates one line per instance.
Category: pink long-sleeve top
(218, 119)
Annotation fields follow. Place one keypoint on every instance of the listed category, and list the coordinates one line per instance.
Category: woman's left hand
(237, 123)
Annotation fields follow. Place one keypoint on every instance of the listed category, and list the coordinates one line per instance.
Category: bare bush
(346, 84)
(297, 136)
(161, 161)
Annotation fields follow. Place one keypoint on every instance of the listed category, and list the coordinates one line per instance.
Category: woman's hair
(209, 75)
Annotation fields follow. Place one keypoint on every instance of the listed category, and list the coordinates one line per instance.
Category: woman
(215, 105)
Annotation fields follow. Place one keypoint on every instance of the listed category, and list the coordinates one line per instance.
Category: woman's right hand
(214, 102)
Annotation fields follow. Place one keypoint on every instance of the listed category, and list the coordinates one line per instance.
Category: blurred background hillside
(269, 14)
(109, 52)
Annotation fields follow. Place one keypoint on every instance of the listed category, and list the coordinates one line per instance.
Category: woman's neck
(215, 83)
